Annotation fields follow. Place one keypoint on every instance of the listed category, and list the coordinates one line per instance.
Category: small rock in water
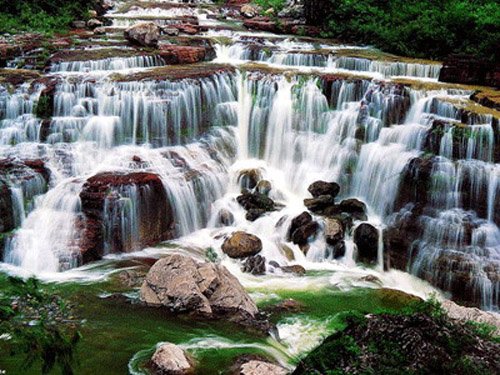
(319, 203)
(93, 23)
(338, 250)
(225, 217)
(99, 31)
(79, 24)
(248, 11)
(302, 234)
(355, 208)
(319, 188)
(242, 245)
(334, 231)
(248, 178)
(262, 368)
(296, 269)
(171, 31)
(256, 265)
(169, 359)
(264, 187)
(366, 240)
(254, 213)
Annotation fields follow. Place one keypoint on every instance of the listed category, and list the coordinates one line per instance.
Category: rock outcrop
(182, 285)
(143, 34)
(469, 70)
(465, 314)
(104, 198)
(169, 359)
(175, 54)
(241, 245)
(255, 367)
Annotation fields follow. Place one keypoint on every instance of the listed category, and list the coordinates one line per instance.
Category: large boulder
(242, 245)
(181, 284)
(366, 238)
(143, 34)
(169, 359)
(319, 188)
(105, 214)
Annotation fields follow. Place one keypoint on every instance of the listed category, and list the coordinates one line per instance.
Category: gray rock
(144, 34)
(169, 359)
(171, 31)
(334, 231)
(93, 23)
(262, 368)
(464, 314)
(79, 24)
(184, 285)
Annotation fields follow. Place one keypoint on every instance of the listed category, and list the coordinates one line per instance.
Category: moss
(374, 54)
(17, 76)
(43, 109)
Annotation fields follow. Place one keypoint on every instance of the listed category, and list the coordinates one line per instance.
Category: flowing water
(297, 112)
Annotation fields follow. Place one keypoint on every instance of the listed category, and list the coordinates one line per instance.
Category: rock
(262, 368)
(99, 31)
(338, 250)
(102, 219)
(171, 31)
(319, 188)
(78, 24)
(174, 54)
(249, 178)
(143, 34)
(287, 252)
(470, 70)
(263, 187)
(169, 359)
(254, 213)
(248, 11)
(92, 13)
(371, 279)
(181, 284)
(334, 231)
(302, 234)
(320, 203)
(286, 306)
(93, 23)
(270, 12)
(255, 200)
(465, 314)
(242, 245)
(366, 240)
(187, 29)
(256, 265)
(355, 208)
(225, 217)
(298, 221)
(296, 269)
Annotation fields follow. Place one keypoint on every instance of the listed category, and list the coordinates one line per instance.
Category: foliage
(38, 325)
(42, 109)
(423, 28)
(46, 16)
(420, 339)
(211, 255)
(277, 5)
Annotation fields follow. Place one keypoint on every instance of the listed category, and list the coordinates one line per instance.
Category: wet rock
(263, 187)
(319, 188)
(334, 231)
(318, 204)
(286, 306)
(254, 213)
(101, 204)
(371, 279)
(255, 201)
(355, 208)
(301, 235)
(174, 54)
(242, 245)
(248, 11)
(256, 265)
(295, 269)
(93, 23)
(286, 251)
(468, 69)
(187, 29)
(169, 359)
(338, 250)
(131, 278)
(249, 178)
(262, 368)
(181, 284)
(366, 240)
(298, 221)
(225, 217)
(144, 34)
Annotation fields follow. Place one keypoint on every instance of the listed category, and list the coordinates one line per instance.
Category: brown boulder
(169, 359)
(366, 238)
(174, 54)
(319, 188)
(242, 245)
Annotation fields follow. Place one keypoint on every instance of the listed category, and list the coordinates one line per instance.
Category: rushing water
(198, 135)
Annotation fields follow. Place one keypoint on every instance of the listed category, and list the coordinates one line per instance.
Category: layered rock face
(123, 213)
(469, 70)
(183, 285)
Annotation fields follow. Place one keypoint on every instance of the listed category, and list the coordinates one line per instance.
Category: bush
(424, 28)
(46, 16)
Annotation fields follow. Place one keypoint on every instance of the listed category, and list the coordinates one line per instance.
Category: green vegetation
(38, 325)
(45, 16)
(423, 28)
(419, 339)
(277, 5)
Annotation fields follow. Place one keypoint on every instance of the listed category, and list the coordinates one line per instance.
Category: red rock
(187, 29)
(173, 54)
(102, 192)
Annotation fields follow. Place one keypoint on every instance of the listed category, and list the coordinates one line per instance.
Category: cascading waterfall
(94, 66)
